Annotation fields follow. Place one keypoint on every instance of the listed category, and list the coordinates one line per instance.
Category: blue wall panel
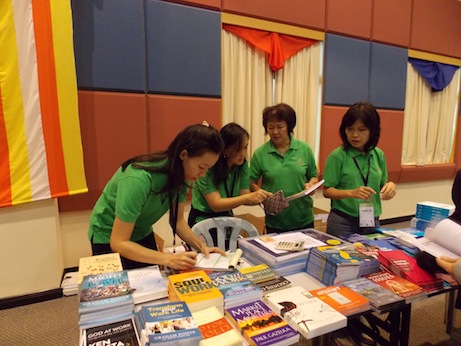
(183, 49)
(109, 44)
(346, 70)
(388, 76)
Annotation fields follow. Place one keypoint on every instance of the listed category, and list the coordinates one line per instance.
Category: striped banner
(41, 154)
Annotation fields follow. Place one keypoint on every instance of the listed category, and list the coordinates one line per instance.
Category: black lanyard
(233, 185)
(365, 179)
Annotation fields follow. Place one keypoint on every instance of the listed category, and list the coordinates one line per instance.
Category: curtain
(429, 121)
(249, 85)
(41, 155)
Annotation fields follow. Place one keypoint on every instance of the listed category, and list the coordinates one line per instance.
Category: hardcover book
(398, 285)
(216, 329)
(147, 284)
(99, 264)
(261, 326)
(342, 299)
(170, 323)
(121, 333)
(265, 277)
(196, 289)
(308, 314)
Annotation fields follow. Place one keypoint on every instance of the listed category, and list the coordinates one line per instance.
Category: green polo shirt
(288, 173)
(237, 180)
(130, 196)
(342, 174)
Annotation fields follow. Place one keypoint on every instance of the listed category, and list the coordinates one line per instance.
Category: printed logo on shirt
(300, 161)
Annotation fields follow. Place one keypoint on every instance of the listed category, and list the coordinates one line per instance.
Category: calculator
(290, 245)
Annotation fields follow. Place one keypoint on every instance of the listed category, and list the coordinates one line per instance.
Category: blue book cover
(170, 322)
(235, 285)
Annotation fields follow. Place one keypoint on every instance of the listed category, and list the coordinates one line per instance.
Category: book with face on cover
(342, 299)
(216, 329)
(98, 264)
(308, 314)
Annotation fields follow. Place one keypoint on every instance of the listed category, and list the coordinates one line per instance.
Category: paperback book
(99, 264)
(342, 299)
(147, 284)
(261, 326)
(216, 329)
(121, 333)
(218, 262)
(265, 277)
(305, 312)
(169, 324)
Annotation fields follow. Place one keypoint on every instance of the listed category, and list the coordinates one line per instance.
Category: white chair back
(227, 227)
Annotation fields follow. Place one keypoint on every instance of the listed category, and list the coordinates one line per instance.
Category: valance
(438, 75)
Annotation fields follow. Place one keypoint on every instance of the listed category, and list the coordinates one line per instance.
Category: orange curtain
(280, 47)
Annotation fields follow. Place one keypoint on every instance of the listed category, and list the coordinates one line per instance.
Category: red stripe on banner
(5, 180)
(49, 97)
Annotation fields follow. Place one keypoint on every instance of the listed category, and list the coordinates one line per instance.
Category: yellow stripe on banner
(13, 108)
(67, 95)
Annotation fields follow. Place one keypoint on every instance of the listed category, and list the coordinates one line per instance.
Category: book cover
(147, 284)
(260, 325)
(216, 329)
(99, 264)
(169, 322)
(342, 299)
(398, 285)
(104, 291)
(265, 277)
(121, 333)
(195, 288)
(380, 299)
(308, 314)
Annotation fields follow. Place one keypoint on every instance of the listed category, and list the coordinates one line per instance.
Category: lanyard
(365, 179)
(233, 185)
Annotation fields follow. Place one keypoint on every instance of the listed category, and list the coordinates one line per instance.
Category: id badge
(366, 215)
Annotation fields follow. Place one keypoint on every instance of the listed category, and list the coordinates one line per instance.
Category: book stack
(331, 265)
(261, 249)
(309, 315)
(260, 325)
(105, 298)
(167, 324)
(236, 288)
(117, 333)
(216, 329)
(98, 264)
(196, 289)
(429, 213)
(408, 290)
(266, 278)
(342, 299)
(69, 284)
(147, 284)
(380, 299)
(405, 266)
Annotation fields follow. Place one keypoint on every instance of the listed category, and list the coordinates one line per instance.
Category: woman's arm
(218, 203)
(363, 192)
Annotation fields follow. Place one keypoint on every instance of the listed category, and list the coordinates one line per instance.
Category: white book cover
(147, 284)
(442, 240)
(308, 314)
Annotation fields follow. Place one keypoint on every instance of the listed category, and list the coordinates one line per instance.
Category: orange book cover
(192, 287)
(397, 284)
(342, 299)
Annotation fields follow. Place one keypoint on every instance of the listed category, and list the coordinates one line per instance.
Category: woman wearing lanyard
(356, 174)
(226, 185)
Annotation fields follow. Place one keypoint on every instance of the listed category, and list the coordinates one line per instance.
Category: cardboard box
(257, 221)
(320, 219)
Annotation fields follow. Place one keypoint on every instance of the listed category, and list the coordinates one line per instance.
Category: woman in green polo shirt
(356, 174)
(227, 185)
(143, 189)
(287, 164)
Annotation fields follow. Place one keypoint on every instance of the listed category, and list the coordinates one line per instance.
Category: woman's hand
(363, 192)
(257, 197)
(388, 191)
(182, 261)
(447, 263)
(206, 250)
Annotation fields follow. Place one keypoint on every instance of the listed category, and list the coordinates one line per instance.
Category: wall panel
(183, 53)
(350, 18)
(391, 21)
(109, 44)
(211, 4)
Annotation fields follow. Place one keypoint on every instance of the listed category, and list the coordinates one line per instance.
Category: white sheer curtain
(247, 88)
(429, 121)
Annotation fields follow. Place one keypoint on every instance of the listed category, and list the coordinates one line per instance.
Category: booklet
(305, 192)
(218, 262)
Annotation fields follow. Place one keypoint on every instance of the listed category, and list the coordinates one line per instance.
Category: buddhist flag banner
(41, 154)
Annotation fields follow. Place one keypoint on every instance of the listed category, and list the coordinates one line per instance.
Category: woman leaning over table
(227, 185)
(287, 164)
(143, 189)
(356, 174)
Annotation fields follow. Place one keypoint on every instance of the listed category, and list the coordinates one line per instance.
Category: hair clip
(205, 123)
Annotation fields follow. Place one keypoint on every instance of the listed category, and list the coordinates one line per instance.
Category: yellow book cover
(215, 328)
(193, 287)
(99, 264)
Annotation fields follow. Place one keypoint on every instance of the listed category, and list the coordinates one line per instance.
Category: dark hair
(196, 139)
(367, 113)
(232, 135)
(280, 112)
(456, 197)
